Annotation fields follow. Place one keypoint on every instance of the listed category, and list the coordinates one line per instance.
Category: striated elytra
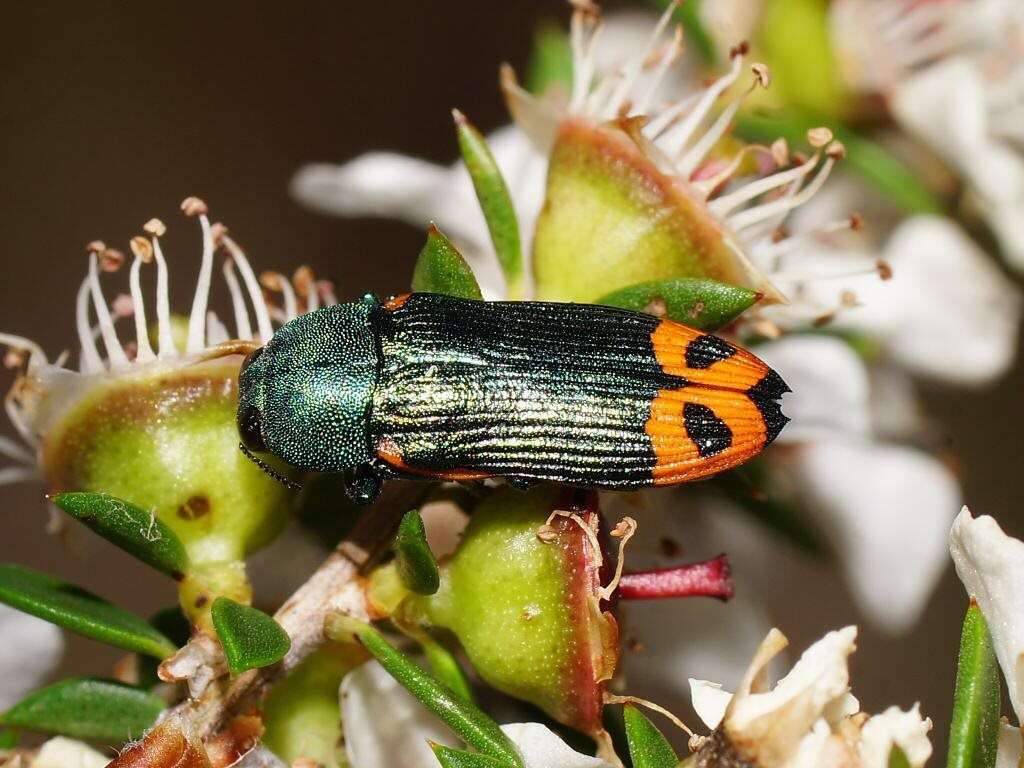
(436, 387)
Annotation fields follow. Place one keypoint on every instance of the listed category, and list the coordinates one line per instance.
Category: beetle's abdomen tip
(766, 395)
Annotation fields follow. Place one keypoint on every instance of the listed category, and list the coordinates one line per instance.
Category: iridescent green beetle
(440, 388)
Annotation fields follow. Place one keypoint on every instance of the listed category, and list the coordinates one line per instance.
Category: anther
(194, 206)
(111, 259)
(819, 137)
(154, 227)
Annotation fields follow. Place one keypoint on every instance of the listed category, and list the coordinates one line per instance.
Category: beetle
(436, 387)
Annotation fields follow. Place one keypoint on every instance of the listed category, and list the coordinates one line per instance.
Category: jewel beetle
(437, 387)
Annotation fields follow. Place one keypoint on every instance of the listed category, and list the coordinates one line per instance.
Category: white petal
(1009, 752)
(830, 386)
(709, 701)
(991, 566)
(61, 752)
(894, 727)
(947, 313)
(886, 509)
(541, 748)
(384, 724)
(31, 650)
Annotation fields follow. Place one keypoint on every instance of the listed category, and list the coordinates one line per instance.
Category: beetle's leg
(363, 484)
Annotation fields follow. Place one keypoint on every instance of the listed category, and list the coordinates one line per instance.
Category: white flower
(991, 566)
(807, 718)
(32, 648)
(385, 726)
(61, 752)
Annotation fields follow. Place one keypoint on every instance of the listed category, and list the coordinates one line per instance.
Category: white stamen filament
(165, 338)
(216, 333)
(242, 326)
(759, 213)
(115, 352)
(35, 352)
(790, 244)
(145, 350)
(89, 359)
(706, 186)
(635, 65)
(680, 135)
(667, 117)
(197, 318)
(327, 292)
(668, 57)
(723, 206)
(281, 284)
(266, 329)
(689, 162)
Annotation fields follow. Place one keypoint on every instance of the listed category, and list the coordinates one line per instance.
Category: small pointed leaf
(73, 608)
(416, 564)
(697, 302)
(133, 529)
(446, 667)
(440, 268)
(459, 758)
(647, 747)
(495, 202)
(87, 708)
(472, 724)
(974, 733)
(250, 638)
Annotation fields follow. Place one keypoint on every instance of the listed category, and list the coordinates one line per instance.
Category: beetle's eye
(250, 359)
(250, 429)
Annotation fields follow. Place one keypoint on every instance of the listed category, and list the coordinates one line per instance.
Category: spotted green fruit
(613, 216)
(526, 610)
(166, 440)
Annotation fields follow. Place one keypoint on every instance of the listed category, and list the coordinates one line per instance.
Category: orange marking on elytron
(397, 462)
(677, 459)
(739, 372)
(395, 302)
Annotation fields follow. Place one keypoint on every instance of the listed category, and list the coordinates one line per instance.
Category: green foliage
(870, 160)
(697, 302)
(133, 529)
(897, 758)
(445, 667)
(80, 611)
(647, 747)
(416, 564)
(495, 202)
(471, 723)
(87, 708)
(458, 758)
(974, 732)
(550, 60)
(440, 268)
(250, 638)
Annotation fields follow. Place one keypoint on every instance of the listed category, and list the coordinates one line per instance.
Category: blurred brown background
(111, 113)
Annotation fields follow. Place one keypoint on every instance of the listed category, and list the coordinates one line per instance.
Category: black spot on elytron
(765, 395)
(709, 433)
(706, 350)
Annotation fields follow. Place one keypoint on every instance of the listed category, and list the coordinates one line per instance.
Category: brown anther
(271, 281)
(626, 526)
(123, 305)
(779, 234)
(762, 74)
(848, 299)
(126, 670)
(856, 222)
(96, 246)
(780, 151)
(217, 231)
(819, 137)
(625, 108)
(739, 50)
(836, 150)
(194, 206)
(14, 358)
(799, 158)
(884, 269)
(547, 534)
(111, 259)
(768, 329)
(154, 227)
(587, 8)
(657, 307)
(823, 319)
(142, 248)
(304, 280)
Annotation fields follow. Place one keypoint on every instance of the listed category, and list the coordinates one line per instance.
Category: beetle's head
(305, 397)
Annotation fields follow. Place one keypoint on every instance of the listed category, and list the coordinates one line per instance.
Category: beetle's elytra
(437, 387)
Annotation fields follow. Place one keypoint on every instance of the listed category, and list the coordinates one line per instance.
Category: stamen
(252, 284)
(89, 359)
(115, 352)
(624, 531)
(275, 281)
(326, 290)
(634, 66)
(705, 187)
(611, 698)
(680, 135)
(193, 206)
(667, 59)
(722, 206)
(165, 338)
(216, 333)
(35, 352)
(787, 245)
(242, 327)
(305, 285)
(144, 351)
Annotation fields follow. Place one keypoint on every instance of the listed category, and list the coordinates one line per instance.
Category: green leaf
(647, 747)
(445, 666)
(440, 268)
(550, 60)
(974, 732)
(8, 739)
(697, 302)
(458, 758)
(416, 564)
(80, 611)
(135, 530)
(251, 639)
(871, 160)
(495, 202)
(897, 758)
(471, 723)
(87, 708)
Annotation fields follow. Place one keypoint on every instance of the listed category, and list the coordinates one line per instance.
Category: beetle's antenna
(270, 470)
